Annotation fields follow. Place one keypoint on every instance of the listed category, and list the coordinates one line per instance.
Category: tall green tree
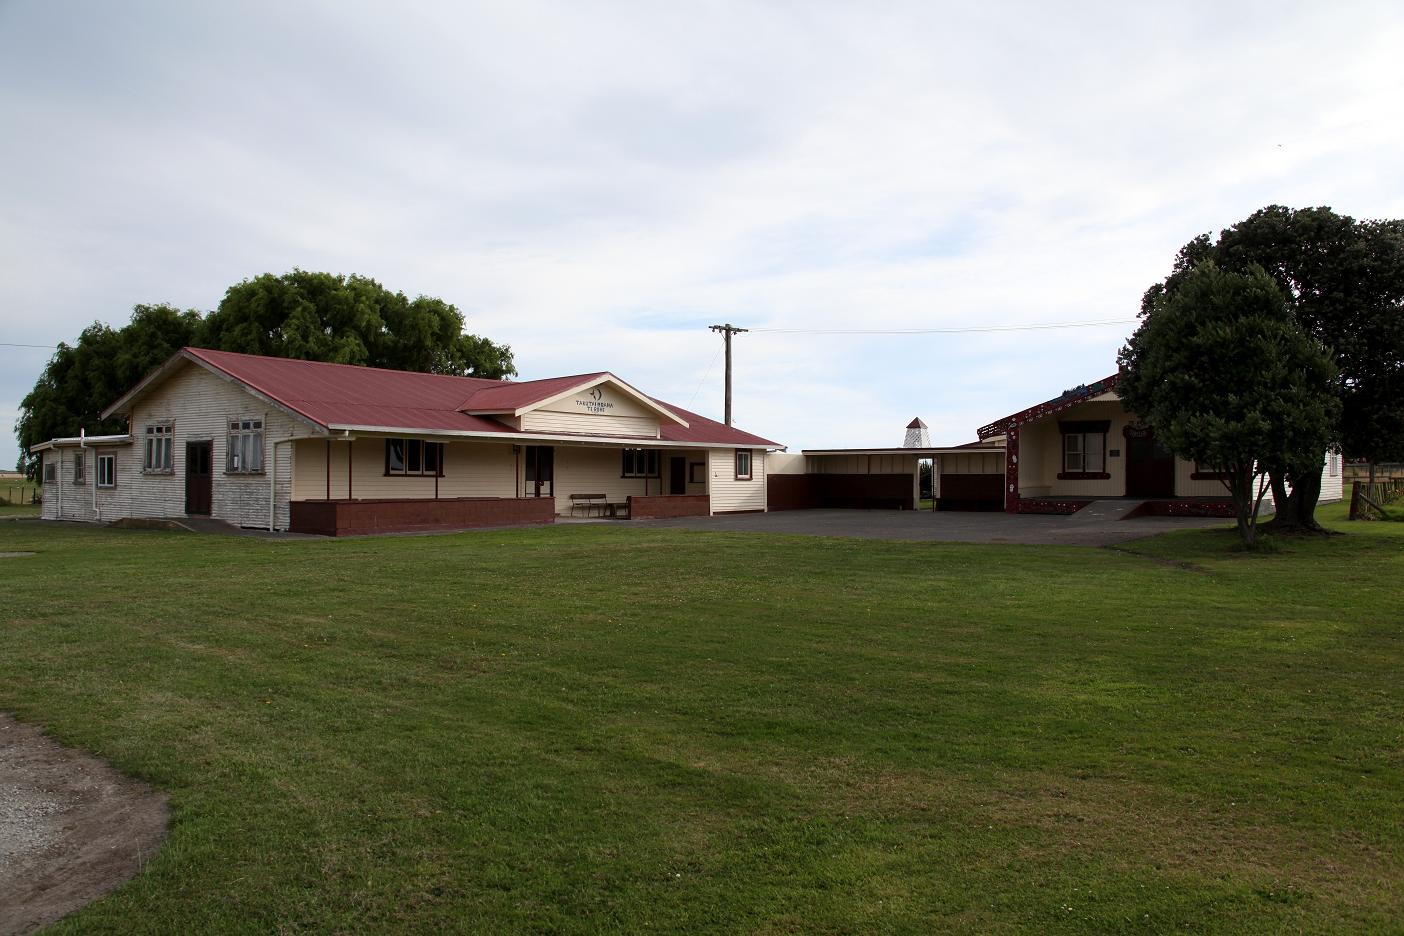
(312, 316)
(81, 379)
(1344, 283)
(350, 320)
(1225, 374)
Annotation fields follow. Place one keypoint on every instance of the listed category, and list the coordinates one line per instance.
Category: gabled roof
(346, 396)
(1049, 407)
(509, 396)
(516, 399)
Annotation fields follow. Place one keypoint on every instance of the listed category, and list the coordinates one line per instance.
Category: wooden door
(677, 476)
(540, 471)
(198, 478)
(1150, 468)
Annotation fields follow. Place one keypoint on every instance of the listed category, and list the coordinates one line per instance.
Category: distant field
(618, 729)
(15, 497)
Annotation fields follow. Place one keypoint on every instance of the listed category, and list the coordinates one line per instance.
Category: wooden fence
(1367, 500)
(1385, 471)
(17, 493)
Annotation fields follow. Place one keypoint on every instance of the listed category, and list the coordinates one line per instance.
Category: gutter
(509, 437)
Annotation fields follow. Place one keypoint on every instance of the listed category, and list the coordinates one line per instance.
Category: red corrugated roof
(375, 398)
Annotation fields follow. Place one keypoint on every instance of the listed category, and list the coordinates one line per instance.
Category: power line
(940, 331)
(42, 347)
(705, 376)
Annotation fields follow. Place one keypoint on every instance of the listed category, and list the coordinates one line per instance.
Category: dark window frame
(693, 473)
(424, 446)
(1082, 430)
(1205, 473)
(629, 463)
(50, 470)
(749, 456)
(80, 467)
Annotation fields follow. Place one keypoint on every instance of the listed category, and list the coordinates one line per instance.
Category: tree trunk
(1297, 513)
(1279, 491)
(1241, 489)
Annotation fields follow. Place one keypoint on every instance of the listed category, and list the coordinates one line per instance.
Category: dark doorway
(677, 476)
(198, 482)
(1150, 468)
(540, 471)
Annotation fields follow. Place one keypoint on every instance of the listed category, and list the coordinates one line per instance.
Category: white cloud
(595, 183)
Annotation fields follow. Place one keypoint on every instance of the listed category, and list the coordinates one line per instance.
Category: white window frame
(243, 448)
(158, 449)
(748, 457)
(107, 463)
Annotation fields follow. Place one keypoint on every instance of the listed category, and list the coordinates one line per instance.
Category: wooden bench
(587, 503)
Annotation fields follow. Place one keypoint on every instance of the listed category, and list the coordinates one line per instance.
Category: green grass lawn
(617, 729)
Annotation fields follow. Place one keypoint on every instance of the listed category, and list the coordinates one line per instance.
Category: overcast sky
(594, 183)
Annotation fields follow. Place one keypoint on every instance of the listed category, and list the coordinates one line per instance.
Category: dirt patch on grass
(71, 828)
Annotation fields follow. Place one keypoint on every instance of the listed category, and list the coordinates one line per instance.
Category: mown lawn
(618, 729)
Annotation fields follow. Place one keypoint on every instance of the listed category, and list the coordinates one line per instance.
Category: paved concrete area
(952, 527)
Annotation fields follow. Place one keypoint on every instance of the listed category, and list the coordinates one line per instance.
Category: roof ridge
(364, 367)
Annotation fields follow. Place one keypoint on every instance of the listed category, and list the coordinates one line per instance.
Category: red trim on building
(658, 506)
(360, 517)
(1049, 407)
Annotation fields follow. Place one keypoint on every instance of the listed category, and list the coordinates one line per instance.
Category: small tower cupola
(917, 436)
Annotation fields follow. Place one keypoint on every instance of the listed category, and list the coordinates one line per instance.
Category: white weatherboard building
(331, 448)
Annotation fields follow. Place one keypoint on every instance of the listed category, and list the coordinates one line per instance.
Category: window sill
(245, 474)
(410, 474)
(1083, 476)
(158, 471)
(743, 478)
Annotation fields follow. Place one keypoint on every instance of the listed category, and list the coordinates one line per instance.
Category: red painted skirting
(861, 491)
(360, 517)
(656, 507)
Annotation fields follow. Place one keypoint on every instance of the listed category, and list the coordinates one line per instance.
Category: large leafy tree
(1344, 283)
(312, 316)
(81, 379)
(350, 320)
(1225, 374)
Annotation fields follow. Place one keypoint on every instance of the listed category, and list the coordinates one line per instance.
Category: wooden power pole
(727, 331)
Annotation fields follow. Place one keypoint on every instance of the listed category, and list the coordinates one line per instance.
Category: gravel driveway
(947, 527)
(71, 828)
